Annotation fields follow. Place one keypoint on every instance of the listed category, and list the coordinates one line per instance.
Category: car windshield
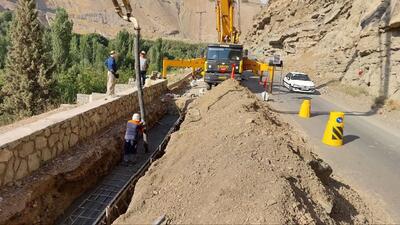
(301, 77)
(224, 54)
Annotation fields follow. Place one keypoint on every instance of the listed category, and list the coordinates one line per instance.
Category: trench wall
(25, 149)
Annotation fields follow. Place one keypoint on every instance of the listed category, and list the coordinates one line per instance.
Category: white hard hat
(136, 117)
(143, 52)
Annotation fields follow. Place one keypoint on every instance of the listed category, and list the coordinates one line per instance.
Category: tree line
(42, 67)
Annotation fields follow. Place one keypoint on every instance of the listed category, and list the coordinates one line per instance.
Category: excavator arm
(225, 16)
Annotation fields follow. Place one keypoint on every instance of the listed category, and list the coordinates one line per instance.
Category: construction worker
(134, 128)
(144, 65)
(112, 74)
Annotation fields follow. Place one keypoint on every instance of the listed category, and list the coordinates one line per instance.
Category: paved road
(370, 159)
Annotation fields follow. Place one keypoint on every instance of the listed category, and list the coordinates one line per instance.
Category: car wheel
(208, 86)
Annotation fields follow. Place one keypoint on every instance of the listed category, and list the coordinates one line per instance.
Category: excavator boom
(225, 16)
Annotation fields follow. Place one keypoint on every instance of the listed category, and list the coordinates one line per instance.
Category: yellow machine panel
(182, 63)
(227, 32)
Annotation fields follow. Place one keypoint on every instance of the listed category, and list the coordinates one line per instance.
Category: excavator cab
(223, 61)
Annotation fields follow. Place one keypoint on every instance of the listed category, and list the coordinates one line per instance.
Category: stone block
(14, 144)
(66, 124)
(54, 152)
(46, 154)
(60, 147)
(75, 130)
(17, 163)
(55, 129)
(47, 132)
(40, 142)
(73, 140)
(61, 134)
(9, 174)
(96, 96)
(22, 170)
(82, 99)
(27, 149)
(34, 162)
(3, 167)
(65, 143)
(5, 155)
(53, 140)
(68, 131)
(75, 122)
(82, 132)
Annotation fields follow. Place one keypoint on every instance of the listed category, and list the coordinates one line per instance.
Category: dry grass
(392, 105)
(350, 89)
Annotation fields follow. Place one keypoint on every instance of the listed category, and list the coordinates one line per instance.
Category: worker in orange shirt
(134, 129)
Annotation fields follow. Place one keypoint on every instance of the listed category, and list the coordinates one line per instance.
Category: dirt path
(234, 161)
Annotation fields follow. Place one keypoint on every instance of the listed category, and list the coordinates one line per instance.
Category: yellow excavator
(225, 59)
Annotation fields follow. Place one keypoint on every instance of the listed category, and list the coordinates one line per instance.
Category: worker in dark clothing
(144, 65)
(134, 129)
(112, 74)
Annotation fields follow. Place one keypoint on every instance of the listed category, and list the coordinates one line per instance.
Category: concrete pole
(128, 17)
(139, 86)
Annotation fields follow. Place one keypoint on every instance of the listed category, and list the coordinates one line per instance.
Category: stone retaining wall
(25, 149)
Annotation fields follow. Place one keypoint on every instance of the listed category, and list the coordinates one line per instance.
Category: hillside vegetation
(75, 62)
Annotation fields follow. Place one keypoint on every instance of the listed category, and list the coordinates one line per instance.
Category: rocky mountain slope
(354, 41)
(159, 18)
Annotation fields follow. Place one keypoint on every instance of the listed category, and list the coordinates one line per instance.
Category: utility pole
(128, 17)
(201, 22)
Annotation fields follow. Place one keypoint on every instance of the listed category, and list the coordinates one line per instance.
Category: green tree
(61, 35)
(156, 56)
(28, 87)
(100, 54)
(67, 84)
(5, 21)
(74, 50)
(85, 50)
(122, 45)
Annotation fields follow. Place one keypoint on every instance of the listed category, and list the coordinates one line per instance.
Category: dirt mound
(234, 161)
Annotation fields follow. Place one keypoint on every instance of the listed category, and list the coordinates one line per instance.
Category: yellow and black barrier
(305, 109)
(334, 132)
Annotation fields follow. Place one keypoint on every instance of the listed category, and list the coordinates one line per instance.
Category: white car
(298, 82)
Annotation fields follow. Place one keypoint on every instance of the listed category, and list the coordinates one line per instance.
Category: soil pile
(234, 161)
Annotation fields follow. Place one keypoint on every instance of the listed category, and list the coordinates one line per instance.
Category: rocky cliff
(354, 41)
(178, 19)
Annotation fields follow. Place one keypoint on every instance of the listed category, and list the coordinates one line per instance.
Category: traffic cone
(333, 135)
(305, 109)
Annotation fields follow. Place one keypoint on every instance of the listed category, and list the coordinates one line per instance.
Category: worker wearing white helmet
(134, 128)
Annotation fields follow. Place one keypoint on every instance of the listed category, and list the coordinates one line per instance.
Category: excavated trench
(110, 198)
(115, 190)
(87, 185)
